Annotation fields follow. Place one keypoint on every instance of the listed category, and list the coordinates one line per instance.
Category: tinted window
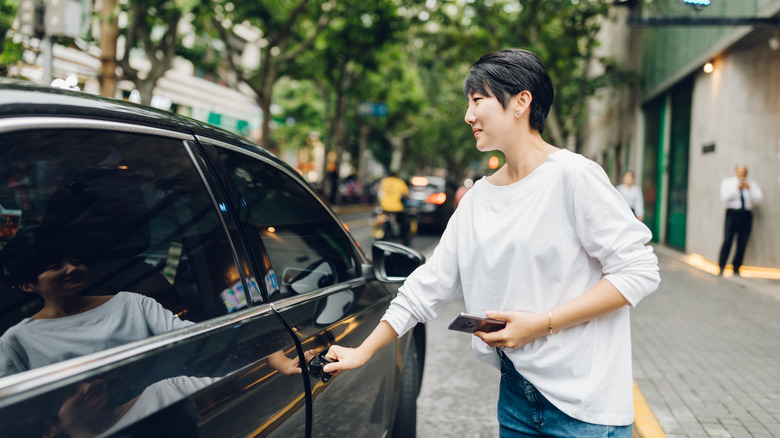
(306, 246)
(88, 215)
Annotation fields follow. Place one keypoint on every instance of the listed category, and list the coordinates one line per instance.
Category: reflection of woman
(86, 414)
(70, 324)
(547, 244)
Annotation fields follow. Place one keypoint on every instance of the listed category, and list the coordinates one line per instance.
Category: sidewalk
(707, 352)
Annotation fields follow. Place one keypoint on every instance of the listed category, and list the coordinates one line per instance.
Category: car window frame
(359, 258)
(26, 384)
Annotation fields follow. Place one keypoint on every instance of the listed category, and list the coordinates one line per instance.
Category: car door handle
(316, 364)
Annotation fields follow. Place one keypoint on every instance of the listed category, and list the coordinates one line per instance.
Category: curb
(645, 423)
(767, 287)
(352, 208)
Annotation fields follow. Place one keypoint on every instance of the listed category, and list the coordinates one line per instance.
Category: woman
(632, 194)
(71, 324)
(547, 244)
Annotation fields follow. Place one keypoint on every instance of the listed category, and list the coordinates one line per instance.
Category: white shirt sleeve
(433, 284)
(756, 196)
(609, 232)
(159, 319)
(729, 190)
(11, 355)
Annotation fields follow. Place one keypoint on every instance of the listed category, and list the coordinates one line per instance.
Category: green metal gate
(679, 148)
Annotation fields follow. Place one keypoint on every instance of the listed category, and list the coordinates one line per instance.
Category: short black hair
(29, 253)
(506, 73)
(34, 266)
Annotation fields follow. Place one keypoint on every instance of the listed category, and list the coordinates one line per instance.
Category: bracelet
(550, 322)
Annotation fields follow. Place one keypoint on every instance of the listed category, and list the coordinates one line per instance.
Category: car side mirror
(394, 262)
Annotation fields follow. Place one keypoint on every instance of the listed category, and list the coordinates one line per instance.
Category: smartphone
(470, 324)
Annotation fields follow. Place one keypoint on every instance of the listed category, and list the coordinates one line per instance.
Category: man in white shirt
(739, 195)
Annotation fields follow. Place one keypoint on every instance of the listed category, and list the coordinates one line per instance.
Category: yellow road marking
(359, 223)
(645, 423)
(701, 263)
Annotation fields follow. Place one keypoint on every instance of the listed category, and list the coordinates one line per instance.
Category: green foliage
(562, 32)
(10, 52)
(302, 112)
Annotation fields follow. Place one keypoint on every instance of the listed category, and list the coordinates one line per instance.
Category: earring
(517, 114)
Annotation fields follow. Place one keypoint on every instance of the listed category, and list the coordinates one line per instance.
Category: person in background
(547, 244)
(740, 196)
(632, 194)
(392, 191)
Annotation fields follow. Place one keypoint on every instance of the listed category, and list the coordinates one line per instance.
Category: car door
(318, 288)
(134, 204)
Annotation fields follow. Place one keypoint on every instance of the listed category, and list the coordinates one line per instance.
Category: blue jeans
(524, 412)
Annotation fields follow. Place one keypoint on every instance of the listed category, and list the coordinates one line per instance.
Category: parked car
(209, 233)
(434, 199)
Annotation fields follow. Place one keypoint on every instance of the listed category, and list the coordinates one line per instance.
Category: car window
(105, 238)
(306, 246)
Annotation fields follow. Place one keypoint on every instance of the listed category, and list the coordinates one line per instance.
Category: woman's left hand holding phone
(521, 328)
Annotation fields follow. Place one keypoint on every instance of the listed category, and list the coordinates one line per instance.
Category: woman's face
(489, 121)
(62, 277)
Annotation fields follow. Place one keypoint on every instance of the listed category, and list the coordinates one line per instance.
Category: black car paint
(225, 345)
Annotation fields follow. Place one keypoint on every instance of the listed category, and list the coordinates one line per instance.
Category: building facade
(682, 130)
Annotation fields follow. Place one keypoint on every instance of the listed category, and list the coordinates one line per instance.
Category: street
(459, 393)
(705, 357)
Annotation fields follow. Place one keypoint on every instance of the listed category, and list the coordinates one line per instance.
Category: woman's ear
(522, 102)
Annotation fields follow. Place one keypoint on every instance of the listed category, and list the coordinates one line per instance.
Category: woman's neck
(522, 159)
(58, 307)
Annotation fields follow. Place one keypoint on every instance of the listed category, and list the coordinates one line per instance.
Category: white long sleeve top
(125, 318)
(531, 246)
(729, 194)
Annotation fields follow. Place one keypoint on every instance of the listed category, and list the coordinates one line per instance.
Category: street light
(708, 68)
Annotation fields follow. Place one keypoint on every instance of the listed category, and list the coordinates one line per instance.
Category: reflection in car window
(105, 238)
(307, 248)
(86, 411)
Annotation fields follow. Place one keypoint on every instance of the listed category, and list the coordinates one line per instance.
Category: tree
(562, 32)
(109, 33)
(286, 31)
(152, 28)
(346, 52)
(10, 52)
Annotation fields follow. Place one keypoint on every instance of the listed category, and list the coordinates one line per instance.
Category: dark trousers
(738, 223)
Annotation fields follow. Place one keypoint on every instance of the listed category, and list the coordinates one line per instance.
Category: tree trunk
(397, 142)
(362, 148)
(339, 139)
(265, 130)
(146, 90)
(109, 32)
(554, 128)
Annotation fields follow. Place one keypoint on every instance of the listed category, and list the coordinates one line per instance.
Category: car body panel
(236, 371)
(421, 189)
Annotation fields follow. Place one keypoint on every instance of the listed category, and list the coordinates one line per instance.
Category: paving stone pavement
(707, 353)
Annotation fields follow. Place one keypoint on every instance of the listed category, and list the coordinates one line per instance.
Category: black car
(433, 198)
(153, 220)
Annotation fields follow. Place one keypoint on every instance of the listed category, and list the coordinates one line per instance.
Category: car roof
(27, 99)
